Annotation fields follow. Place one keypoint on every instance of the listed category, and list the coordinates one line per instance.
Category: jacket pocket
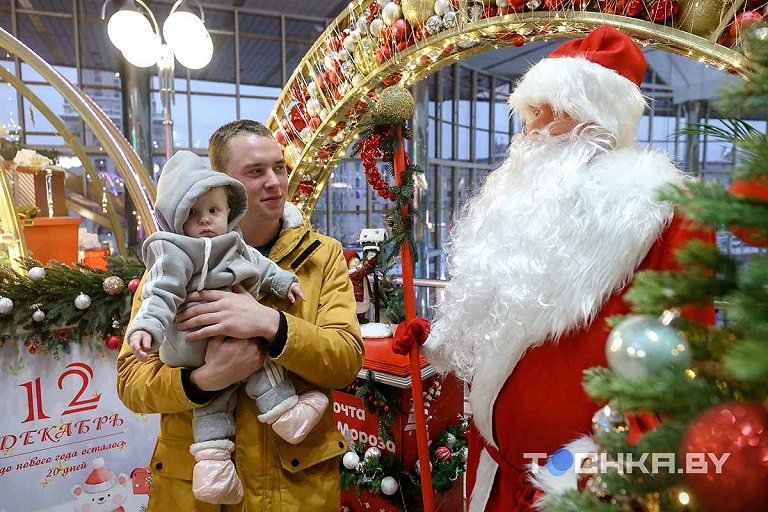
(172, 459)
(315, 448)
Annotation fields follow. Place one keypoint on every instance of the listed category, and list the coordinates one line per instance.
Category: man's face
(258, 163)
(544, 117)
(208, 216)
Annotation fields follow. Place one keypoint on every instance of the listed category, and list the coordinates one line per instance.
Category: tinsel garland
(386, 406)
(378, 139)
(448, 456)
(54, 295)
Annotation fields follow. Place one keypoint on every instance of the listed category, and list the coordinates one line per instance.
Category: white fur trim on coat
(587, 91)
(542, 479)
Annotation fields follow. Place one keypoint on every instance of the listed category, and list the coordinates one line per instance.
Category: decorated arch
(377, 43)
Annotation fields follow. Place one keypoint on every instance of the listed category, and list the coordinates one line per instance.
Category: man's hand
(140, 342)
(227, 361)
(220, 313)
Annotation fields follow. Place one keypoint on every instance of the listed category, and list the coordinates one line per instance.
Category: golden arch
(314, 156)
(126, 161)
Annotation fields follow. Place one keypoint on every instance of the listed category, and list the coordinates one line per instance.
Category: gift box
(52, 238)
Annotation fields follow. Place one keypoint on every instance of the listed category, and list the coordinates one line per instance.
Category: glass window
(208, 113)
(258, 109)
(50, 38)
(260, 51)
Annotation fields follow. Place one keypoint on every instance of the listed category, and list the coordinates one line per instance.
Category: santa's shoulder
(637, 169)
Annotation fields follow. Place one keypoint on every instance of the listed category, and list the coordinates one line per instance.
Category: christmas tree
(685, 422)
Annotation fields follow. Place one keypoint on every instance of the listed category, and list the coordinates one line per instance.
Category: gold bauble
(395, 104)
(417, 11)
(701, 17)
(113, 285)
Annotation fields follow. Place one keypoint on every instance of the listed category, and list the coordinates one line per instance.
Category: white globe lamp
(126, 26)
(143, 52)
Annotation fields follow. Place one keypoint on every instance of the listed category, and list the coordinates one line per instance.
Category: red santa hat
(595, 79)
(100, 478)
(348, 255)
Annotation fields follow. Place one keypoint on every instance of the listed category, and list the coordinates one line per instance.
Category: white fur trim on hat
(588, 92)
(542, 479)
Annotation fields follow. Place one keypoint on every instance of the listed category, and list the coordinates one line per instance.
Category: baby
(197, 248)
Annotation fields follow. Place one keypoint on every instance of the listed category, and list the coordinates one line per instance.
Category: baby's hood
(186, 177)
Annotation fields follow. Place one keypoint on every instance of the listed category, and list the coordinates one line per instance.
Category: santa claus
(358, 274)
(544, 254)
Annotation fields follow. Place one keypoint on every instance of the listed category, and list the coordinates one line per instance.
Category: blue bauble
(641, 346)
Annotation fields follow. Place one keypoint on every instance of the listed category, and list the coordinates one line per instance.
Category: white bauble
(450, 441)
(38, 316)
(312, 90)
(463, 454)
(358, 79)
(313, 106)
(382, 3)
(351, 41)
(417, 467)
(6, 305)
(305, 133)
(389, 485)
(350, 460)
(323, 113)
(338, 137)
(376, 26)
(344, 55)
(442, 7)
(502, 3)
(36, 273)
(328, 60)
(362, 24)
(82, 301)
(391, 13)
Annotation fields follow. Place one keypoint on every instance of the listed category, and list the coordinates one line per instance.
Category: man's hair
(218, 150)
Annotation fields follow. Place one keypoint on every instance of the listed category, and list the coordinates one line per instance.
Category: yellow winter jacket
(324, 350)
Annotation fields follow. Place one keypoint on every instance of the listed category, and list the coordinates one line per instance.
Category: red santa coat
(542, 405)
(359, 278)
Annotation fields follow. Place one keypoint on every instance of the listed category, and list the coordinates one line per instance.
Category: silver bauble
(6, 305)
(449, 19)
(38, 316)
(382, 3)
(36, 273)
(450, 441)
(502, 3)
(350, 460)
(391, 13)
(434, 25)
(362, 24)
(82, 301)
(372, 452)
(328, 59)
(475, 12)
(305, 133)
(607, 420)
(323, 113)
(348, 69)
(389, 485)
(358, 79)
(417, 467)
(344, 55)
(641, 346)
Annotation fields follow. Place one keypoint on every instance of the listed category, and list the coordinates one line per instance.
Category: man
(317, 340)
(543, 255)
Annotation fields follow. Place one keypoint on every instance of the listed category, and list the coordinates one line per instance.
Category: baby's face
(208, 216)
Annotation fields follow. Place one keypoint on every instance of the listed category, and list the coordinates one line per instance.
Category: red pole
(406, 261)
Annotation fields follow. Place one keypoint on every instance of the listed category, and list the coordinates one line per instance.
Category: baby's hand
(140, 342)
(295, 293)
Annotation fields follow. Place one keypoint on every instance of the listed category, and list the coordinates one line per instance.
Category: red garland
(368, 155)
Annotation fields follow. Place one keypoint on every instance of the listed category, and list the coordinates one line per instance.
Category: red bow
(408, 333)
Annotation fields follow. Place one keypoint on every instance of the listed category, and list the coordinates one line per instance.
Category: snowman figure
(102, 491)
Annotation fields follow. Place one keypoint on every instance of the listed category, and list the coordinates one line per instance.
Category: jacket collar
(295, 227)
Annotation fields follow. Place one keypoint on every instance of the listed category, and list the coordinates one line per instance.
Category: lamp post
(136, 34)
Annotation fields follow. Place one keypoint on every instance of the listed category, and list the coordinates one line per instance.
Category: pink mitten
(214, 479)
(295, 423)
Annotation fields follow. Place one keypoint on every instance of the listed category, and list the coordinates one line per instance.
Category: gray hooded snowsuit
(179, 264)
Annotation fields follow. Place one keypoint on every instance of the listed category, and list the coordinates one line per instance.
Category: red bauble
(518, 40)
(133, 285)
(490, 12)
(383, 53)
(400, 28)
(443, 453)
(113, 342)
(306, 187)
(738, 428)
(297, 115)
(743, 21)
(756, 189)
(661, 10)
(553, 5)
(622, 7)
(726, 40)
(314, 123)
(281, 137)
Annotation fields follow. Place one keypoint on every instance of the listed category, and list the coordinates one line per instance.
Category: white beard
(557, 228)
